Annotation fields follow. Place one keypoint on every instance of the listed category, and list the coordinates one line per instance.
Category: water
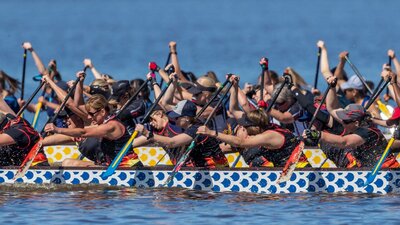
(121, 37)
(106, 205)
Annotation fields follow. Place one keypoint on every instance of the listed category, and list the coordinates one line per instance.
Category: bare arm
(269, 139)
(283, 117)
(57, 139)
(167, 101)
(332, 101)
(39, 64)
(173, 142)
(6, 139)
(347, 141)
(175, 62)
(88, 63)
(233, 101)
(109, 130)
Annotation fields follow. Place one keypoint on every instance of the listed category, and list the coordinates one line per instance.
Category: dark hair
(135, 84)
(190, 76)
(12, 83)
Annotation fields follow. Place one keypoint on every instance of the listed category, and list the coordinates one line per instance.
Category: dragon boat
(322, 177)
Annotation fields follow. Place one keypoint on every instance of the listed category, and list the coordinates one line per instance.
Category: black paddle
(23, 75)
(166, 64)
(264, 68)
(30, 99)
(317, 70)
(118, 158)
(133, 97)
(63, 103)
(214, 96)
(33, 152)
(185, 155)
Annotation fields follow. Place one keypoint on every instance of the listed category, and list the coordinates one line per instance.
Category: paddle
(214, 97)
(133, 97)
(371, 176)
(381, 106)
(30, 99)
(317, 70)
(373, 98)
(166, 64)
(23, 75)
(264, 68)
(288, 79)
(37, 111)
(33, 152)
(189, 149)
(290, 165)
(390, 65)
(117, 160)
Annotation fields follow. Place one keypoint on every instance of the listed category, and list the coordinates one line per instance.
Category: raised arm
(175, 62)
(96, 74)
(39, 64)
(332, 101)
(233, 101)
(168, 100)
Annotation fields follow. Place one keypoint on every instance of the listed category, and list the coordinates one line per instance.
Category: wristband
(174, 53)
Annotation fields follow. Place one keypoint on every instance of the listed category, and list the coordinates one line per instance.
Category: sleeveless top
(259, 156)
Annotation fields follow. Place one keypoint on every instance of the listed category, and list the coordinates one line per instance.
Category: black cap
(119, 88)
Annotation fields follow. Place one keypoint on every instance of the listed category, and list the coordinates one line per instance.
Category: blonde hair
(260, 118)
(97, 102)
(12, 83)
(206, 82)
(100, 83)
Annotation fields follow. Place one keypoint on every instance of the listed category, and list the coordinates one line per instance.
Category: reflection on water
(71, 204)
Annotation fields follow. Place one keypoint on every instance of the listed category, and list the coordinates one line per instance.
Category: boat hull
(220, 180)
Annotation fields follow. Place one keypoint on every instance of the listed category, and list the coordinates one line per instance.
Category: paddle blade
(117, 160)
(37, 113)
(28, 160)
(384, 109)
(180, 163)
(291, 163)
(371, 176)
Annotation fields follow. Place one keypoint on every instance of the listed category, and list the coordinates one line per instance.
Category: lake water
(121, 37)
(61, 204)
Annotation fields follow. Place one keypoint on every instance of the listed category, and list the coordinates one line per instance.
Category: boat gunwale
(169, 168)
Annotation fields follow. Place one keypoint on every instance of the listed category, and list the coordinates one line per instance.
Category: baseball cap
(396, 114)
(352, 112)
(119, 88)
(183, 108)
(354, 82)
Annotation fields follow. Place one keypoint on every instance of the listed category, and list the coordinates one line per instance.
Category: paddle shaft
(317, 70)
(64, 102)
(319, 107)
(390, 64)
(147, 115)
(185, 155)
(117, 160)
(262, 83)
(166, 64)
(23, 75)
(373, 98)
(30, 99)
(271, 104)
(133, 97)
(359, 75)
(213, 98)
(371, 176)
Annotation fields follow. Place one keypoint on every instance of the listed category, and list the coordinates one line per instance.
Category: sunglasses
(94, 113)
